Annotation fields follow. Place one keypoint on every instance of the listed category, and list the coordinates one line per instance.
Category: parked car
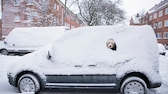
(26, 40)
(162, 49)
(123, 58)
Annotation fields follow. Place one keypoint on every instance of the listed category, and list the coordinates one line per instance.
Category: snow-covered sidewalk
(164, 74)
(6, 61)
(5, 87)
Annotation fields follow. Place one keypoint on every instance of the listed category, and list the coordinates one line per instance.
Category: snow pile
(164, 74)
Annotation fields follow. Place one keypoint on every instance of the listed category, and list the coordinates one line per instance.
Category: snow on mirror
(111, 44)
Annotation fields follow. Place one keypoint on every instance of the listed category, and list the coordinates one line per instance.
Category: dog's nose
(110, 46)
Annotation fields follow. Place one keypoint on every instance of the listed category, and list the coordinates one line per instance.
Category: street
(77, 91)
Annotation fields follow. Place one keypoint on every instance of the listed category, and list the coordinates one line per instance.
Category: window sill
(17, 21)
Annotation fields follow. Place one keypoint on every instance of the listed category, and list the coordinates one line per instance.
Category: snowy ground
(5, 88)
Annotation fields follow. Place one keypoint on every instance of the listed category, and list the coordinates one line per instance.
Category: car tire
(133, 85)
(4, 52)
(28, 83)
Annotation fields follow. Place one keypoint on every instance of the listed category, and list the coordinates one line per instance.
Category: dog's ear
(114, 47)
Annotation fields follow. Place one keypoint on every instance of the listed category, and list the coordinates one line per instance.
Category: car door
(82, 58)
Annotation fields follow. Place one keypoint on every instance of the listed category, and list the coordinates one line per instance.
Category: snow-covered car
(26, 40)
(162, 49)
(123, 58)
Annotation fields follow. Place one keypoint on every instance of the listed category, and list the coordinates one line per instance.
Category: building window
(29, 18)
(166, 11)
(17, 18)
(165, 35)
(155, 16)
(29, 2)
(161, 13)
(159, 24)
(150, 18)
(16, 2)
(166, 23)
(55, 6)
(159, 35)
(58, 7)
(155, 25)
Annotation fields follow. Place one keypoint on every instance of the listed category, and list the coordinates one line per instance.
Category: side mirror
(111, 44)
(48, 55)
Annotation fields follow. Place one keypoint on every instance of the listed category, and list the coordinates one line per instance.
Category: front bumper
(11, 80)
(155, 85)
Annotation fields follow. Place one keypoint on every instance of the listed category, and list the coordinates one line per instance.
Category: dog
(111, 44)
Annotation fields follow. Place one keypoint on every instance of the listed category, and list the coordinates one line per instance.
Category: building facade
(157, 17)
(0, 29)
(25, 13)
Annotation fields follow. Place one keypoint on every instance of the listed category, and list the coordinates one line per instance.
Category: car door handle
(92, 65)
(78, 66)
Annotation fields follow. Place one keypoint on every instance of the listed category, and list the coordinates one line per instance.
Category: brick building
(0, 29)
(13, 15)
(157, 17)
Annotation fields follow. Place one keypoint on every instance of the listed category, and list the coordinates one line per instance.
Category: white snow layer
(137, 51)
(34, 36)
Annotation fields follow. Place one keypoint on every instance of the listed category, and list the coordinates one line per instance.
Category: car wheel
(133, 85)
(28, 83)
(4, 52)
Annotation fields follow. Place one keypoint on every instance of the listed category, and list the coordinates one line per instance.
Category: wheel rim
(27, 85)
(134, 87)
(4, 52)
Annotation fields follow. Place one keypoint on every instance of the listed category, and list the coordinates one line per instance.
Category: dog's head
(111, 44)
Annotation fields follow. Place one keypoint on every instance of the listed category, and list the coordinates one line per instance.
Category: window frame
(160, 24)
(166, 23)
(150, 17)
(166, 11)
(155, 25)
(161, 13)
(29, 18)
(29, 2)
(155, 16)
(165, 35)
(159, 35)
(17, 18)
(16, 2)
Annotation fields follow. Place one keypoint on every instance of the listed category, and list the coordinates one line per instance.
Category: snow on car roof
(88, 44)
(34, 36)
